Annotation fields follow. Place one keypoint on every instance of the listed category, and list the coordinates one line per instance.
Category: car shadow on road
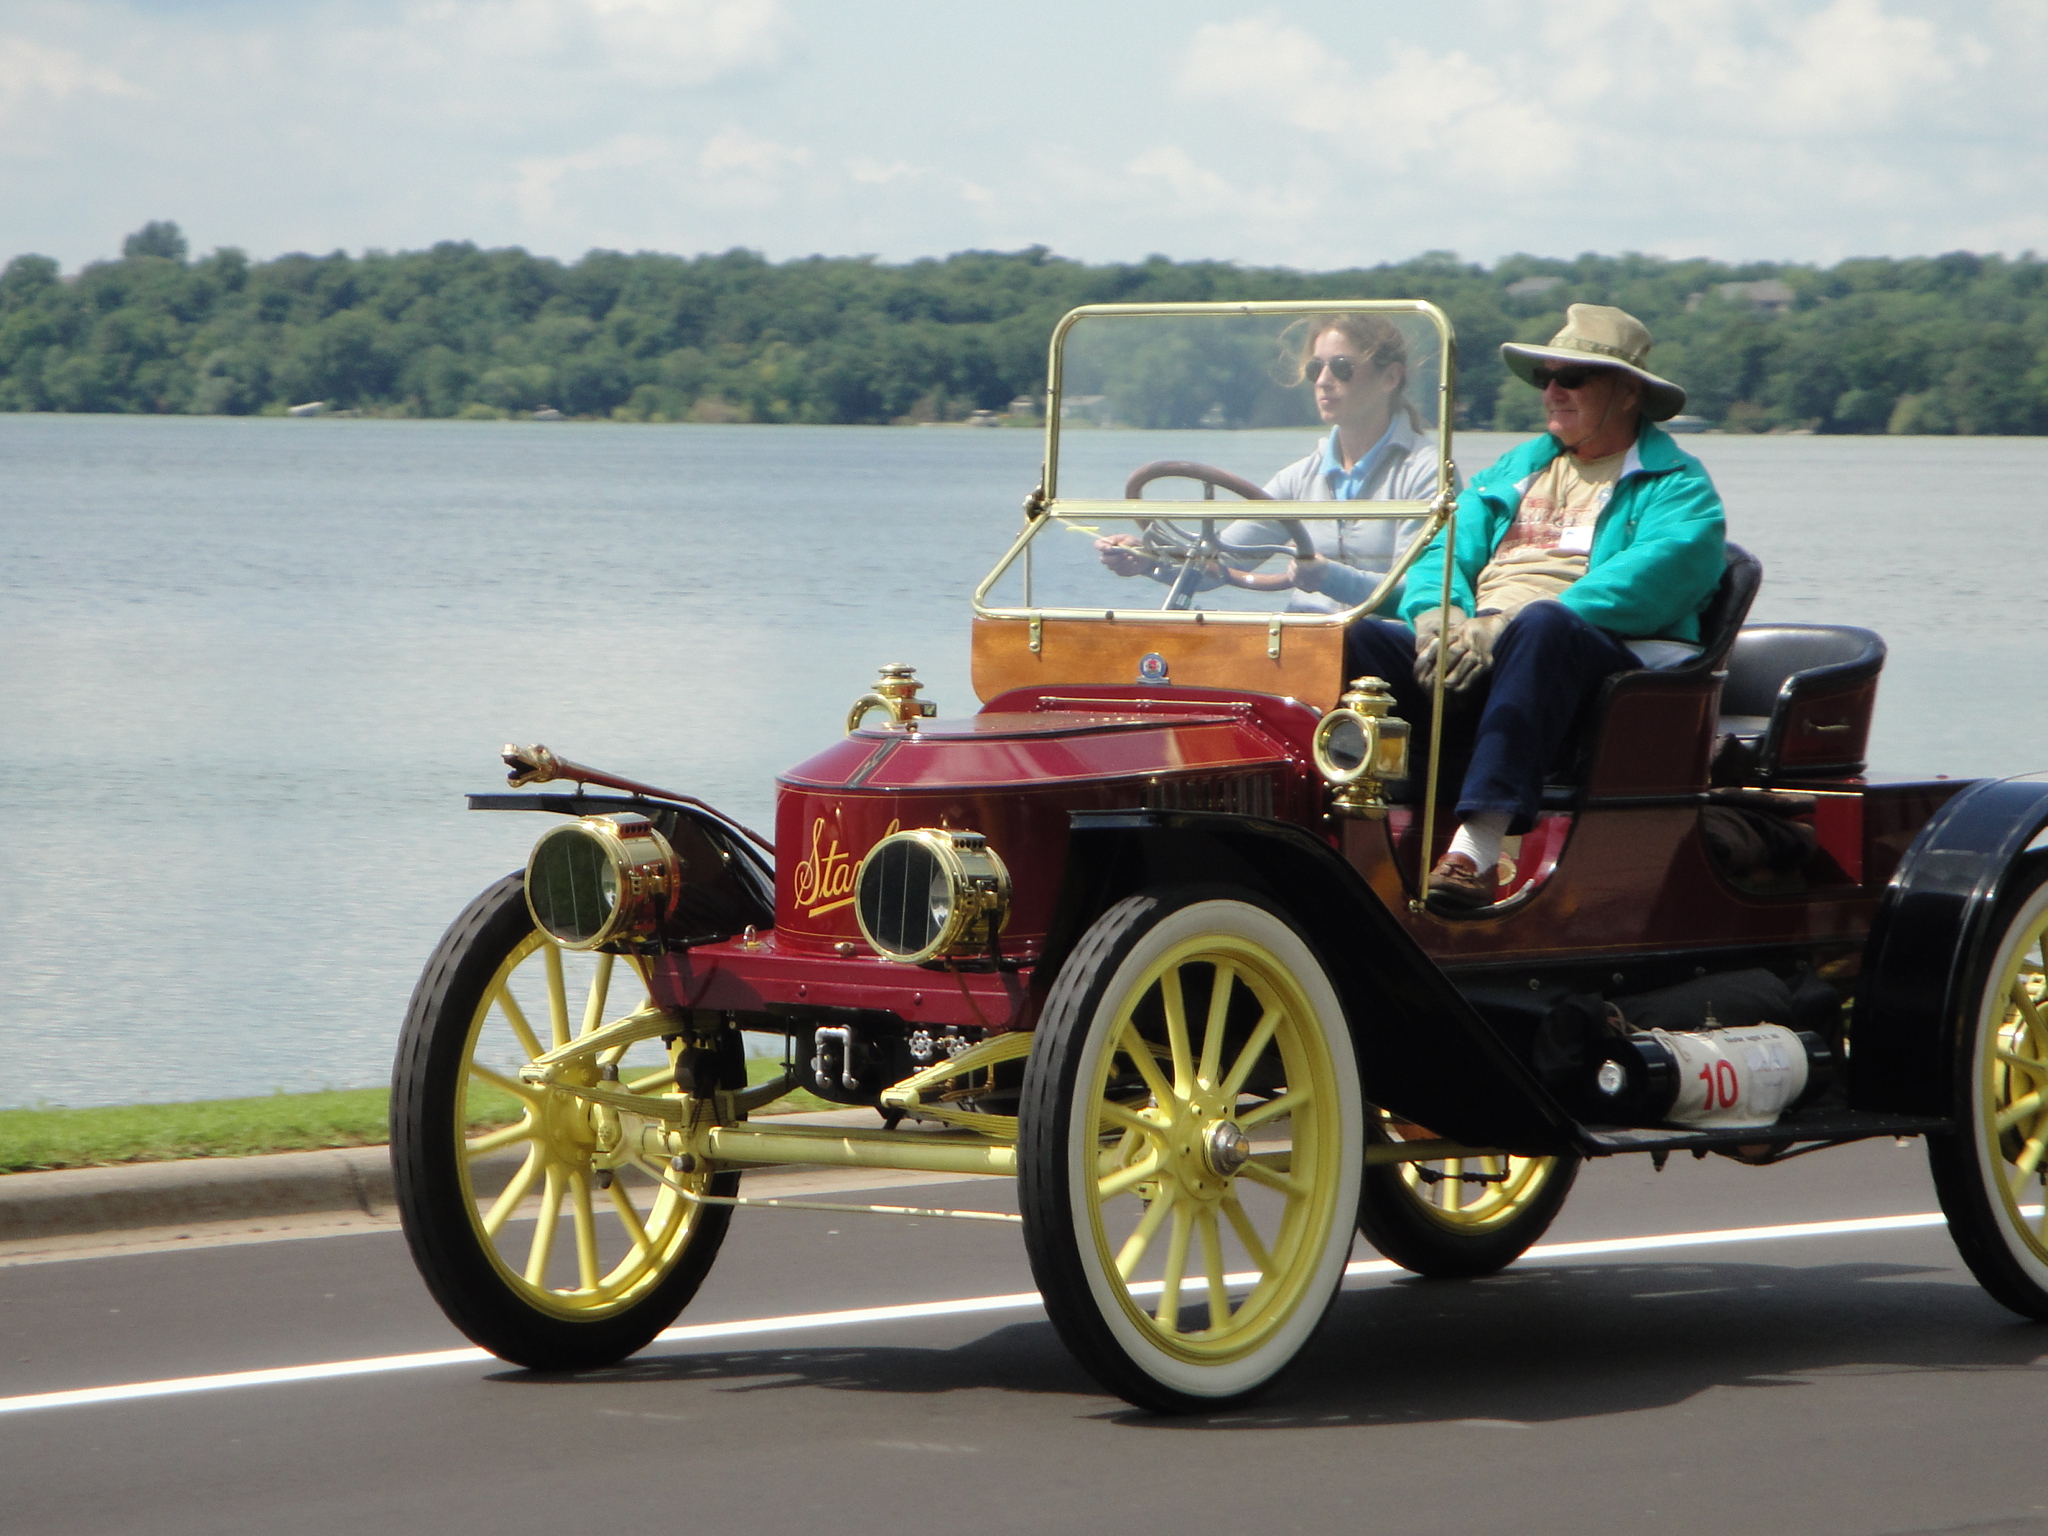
(1533, 1345)
(1537, 1345)
(1021, 1357)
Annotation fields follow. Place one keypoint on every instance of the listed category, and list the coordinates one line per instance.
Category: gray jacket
(1360, 549)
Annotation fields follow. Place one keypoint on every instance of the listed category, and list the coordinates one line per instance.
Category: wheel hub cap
(1228, 1148)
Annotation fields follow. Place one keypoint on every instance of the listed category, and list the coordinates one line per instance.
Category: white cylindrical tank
(1720, 1079)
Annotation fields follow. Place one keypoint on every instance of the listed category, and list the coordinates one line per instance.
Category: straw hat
(1612, 338)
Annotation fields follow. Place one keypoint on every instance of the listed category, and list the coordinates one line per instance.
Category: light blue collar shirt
(1349, 484)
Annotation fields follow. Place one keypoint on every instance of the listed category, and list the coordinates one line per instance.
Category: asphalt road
(1817, 1383)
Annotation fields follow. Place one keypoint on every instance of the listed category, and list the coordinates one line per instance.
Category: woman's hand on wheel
(1124, 555)
(1308, 574)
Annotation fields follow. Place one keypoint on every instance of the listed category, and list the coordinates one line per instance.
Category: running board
(1836, 1125)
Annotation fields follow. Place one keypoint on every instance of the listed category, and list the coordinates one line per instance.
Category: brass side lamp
(1359, 747)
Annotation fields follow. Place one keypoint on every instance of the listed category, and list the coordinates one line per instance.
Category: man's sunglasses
(1341, 367)
(1566, 378)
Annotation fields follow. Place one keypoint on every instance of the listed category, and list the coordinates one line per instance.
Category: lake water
(249, 668)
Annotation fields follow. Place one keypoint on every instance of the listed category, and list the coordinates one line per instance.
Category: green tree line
(1945, 344)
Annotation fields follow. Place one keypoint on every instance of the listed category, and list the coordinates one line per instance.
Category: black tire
(1431, 1219)
(458, 1013)
(1114, 1147)
(1981, 1169)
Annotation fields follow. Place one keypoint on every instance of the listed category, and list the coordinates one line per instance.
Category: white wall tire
(1990, 1171)
(613, 1253)
(1180, 1279)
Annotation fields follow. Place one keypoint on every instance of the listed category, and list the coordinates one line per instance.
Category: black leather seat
(1798, 698)
(1721, 620)
(1720, 624)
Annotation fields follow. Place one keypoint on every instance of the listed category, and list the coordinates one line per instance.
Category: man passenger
(1588, 551)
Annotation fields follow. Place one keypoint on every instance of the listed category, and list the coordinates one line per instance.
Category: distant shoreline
(1936, 346)
(396, 418)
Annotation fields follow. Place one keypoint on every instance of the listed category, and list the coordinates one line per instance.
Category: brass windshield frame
(1047, 507)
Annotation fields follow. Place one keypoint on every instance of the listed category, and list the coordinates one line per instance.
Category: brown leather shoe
(1457, 884)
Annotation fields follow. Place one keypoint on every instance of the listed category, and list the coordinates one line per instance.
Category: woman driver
(1375, 451)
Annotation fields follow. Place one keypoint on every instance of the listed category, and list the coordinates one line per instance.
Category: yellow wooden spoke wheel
(1189, 1147)
(1992, 1173)
(538, 1219)
(1457, 1218)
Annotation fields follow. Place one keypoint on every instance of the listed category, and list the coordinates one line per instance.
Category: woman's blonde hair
(1377, 339)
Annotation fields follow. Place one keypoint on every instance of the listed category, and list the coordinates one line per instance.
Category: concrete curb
(67, 1202)
(70, 1201)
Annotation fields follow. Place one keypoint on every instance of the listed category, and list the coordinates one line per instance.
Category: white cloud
(734, 151)
(1204, 192)
(1750, 67)
(1800, 128)
(916, 180)
(636, 171)
(1263, 59)
(1850, 68)
(30, 70)
(1639, 124)
(690, 41)
(1602, 80)
(1443, 114)
(651, 42)
(366, 122)
(540, 178)
(877, 173)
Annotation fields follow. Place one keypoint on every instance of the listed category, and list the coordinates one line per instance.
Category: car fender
(1924, 959)
(1422, 1049)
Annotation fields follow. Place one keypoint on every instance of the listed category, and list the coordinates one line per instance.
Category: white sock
(1479, 839)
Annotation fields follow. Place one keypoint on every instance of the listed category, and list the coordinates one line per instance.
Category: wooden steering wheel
(1166, 539)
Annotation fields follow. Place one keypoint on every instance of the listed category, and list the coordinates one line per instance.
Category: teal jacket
(1657, 551)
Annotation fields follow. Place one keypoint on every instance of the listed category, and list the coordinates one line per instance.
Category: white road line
(910, 1311)
(1738, 1235)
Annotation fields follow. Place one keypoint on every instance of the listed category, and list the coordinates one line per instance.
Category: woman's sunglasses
(1565, 378)
(1340, 367)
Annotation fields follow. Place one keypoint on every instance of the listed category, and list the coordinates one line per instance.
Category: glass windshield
(1223, 557)
(1251, 394)
(1234, 459)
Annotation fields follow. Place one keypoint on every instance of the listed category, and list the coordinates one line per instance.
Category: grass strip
(55, 1137)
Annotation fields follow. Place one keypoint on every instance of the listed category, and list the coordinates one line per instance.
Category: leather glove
(1426, 640)
(1472, 649)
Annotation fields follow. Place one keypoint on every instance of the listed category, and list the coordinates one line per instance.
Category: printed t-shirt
(1547, 546)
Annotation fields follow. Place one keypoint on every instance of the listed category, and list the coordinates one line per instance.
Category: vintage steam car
(1143, 932)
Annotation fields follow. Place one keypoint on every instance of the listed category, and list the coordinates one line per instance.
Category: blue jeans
(1547, 664)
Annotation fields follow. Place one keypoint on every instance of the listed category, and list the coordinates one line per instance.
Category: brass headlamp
(1359, 747)
(930, 892)
(595, 882)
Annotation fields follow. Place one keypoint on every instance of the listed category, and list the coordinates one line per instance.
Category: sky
(1315, 135)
